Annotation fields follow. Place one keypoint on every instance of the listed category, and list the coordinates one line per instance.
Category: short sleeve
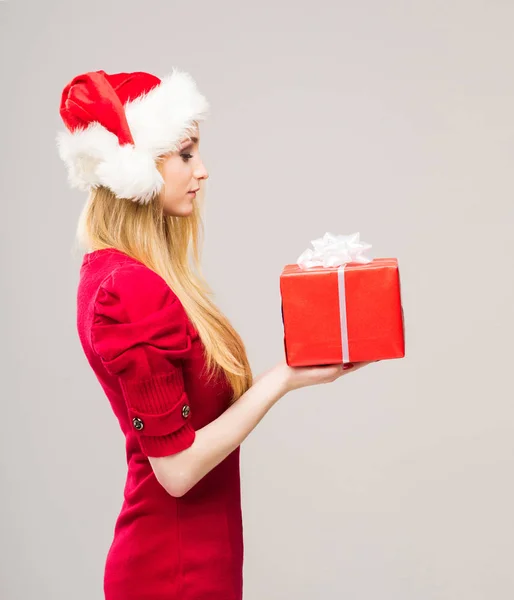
(140, 333)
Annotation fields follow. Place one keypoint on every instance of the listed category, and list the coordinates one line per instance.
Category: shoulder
(134, 290)
(139, 323)
(131, 276)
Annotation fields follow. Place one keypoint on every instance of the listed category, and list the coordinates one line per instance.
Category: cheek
(168, 172)
(177, 175)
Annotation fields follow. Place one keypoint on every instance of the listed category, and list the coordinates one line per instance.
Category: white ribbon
(336, 251)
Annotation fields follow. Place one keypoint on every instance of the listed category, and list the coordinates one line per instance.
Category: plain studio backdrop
(394, 119)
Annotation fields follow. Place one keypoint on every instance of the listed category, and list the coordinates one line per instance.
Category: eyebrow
(192, 139)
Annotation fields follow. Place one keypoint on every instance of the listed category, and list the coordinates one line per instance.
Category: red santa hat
(118, 124)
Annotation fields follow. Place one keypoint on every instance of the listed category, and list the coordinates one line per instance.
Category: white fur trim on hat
(158, 121)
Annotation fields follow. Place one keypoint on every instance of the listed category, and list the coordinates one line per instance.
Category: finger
(358, 365)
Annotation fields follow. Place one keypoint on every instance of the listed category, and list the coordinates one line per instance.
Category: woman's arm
(179, 472)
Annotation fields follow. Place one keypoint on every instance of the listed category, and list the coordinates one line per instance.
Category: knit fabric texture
(148, 359)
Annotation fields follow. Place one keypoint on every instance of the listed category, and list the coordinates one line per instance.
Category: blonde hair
(166, 244)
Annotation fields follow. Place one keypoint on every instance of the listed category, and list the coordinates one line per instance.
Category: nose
(201, 171)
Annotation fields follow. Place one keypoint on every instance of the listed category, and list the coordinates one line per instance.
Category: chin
(187, 210)
(182, 210)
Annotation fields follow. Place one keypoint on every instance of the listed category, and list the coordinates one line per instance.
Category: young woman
(172, 367)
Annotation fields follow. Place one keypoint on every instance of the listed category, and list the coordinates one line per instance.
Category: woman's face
(183, 172)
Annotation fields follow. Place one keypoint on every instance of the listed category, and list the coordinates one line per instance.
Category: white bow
(334, 250)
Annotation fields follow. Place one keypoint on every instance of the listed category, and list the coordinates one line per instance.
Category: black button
(138, 424)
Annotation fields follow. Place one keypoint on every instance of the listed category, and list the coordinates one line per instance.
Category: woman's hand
(293, 378)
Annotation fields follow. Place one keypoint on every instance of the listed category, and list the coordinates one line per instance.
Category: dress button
(138, 424)
(185, 411)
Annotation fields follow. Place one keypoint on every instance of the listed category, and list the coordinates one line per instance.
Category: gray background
(394, 119)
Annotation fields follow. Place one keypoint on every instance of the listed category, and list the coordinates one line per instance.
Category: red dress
(148, 359)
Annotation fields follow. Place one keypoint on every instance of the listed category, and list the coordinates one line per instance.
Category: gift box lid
(295, 269)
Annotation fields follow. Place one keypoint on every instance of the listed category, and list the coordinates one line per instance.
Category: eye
(186, 157)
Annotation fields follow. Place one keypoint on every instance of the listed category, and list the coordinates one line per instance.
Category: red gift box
(348, 313)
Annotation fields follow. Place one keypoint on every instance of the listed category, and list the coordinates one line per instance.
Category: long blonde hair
(166, 244)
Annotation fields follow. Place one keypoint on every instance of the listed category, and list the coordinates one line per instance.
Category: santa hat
(118, 124)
